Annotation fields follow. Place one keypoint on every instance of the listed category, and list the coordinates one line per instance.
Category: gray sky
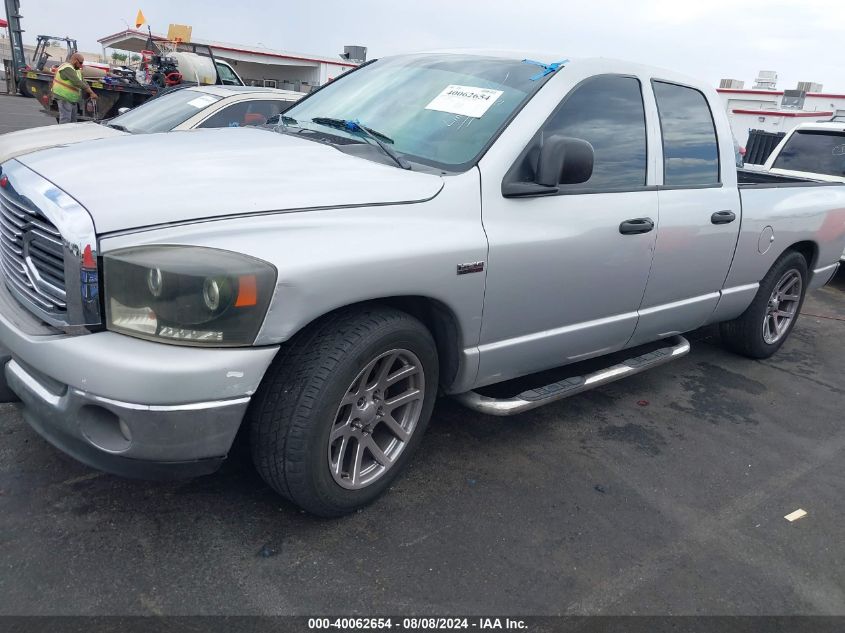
(711, 39)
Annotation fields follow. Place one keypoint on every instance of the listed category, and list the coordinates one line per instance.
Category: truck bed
(753, 178)
(781, 210)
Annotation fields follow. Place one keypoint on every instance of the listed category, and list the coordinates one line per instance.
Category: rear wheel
(343, 409)
(765, 325)
(23, 88)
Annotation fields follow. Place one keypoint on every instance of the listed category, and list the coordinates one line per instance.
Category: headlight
(187, 295)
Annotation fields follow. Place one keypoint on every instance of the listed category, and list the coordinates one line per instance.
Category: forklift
(36, 79)
(42, 62)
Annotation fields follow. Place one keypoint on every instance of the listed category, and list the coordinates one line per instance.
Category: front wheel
(765, 325)
(343, 409)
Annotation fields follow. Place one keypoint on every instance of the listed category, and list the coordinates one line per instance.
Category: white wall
(294, 74)
(742, 123)
(825, 103)
(328, 72)
(250, 66)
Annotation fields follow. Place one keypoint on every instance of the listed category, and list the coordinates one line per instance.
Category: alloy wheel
(376, 418)
(782, 307)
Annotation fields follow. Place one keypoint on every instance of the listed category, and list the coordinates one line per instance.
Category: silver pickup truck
(427, 224)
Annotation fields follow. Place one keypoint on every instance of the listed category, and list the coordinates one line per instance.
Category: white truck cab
(811, 150)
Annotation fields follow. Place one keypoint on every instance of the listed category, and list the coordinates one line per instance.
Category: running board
(533, 398)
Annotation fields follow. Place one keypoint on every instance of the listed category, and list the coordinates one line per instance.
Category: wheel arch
(808, 249)
(440, 320)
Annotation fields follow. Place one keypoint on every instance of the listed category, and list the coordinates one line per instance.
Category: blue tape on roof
(548, 69)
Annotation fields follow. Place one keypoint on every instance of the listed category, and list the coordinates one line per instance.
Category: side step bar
(533, 398)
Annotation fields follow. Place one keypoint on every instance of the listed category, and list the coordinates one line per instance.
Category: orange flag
(140, 19)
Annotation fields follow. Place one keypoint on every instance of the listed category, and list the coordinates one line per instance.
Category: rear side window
(690, 150)
(607, 111)
(243, 113)
(814, 152)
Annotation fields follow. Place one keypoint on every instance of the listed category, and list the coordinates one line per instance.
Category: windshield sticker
(202, 101)
(465, 100)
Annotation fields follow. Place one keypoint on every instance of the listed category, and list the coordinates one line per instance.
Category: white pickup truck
(427, 224)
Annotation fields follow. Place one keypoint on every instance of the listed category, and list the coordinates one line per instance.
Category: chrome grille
(32, 256)
(48, 251)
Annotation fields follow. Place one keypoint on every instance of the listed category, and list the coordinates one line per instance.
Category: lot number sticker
(465, 100)
(202, 101)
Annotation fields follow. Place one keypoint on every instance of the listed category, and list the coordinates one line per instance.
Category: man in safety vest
(68, 85)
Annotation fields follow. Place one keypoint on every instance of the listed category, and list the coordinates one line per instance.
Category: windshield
(440, 110)
(164, 113)
(815, 152)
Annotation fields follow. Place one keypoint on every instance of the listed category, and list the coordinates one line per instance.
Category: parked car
(811, 150)
(424, 225)
(181, 109)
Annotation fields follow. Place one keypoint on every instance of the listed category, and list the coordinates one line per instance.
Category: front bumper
(128, 406)
(133, 440)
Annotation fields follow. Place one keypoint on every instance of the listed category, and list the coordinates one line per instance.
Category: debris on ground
(794, 516)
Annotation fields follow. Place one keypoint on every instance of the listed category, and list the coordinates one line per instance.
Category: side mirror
(123, 110)
(564, 161)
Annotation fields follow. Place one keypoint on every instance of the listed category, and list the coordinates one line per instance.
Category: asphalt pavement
(20, 113)
(664, 493)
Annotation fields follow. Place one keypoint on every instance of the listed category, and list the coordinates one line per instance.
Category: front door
(563, 282)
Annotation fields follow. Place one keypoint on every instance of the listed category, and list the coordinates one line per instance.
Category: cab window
(245, 113)
(227, 75)
(690, 150)
(607, 111)
(815, 152)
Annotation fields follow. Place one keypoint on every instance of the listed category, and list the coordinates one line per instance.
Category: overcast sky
(801, 40)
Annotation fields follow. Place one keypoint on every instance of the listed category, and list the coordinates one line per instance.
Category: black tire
(292, 414)
(744, 335)
(22, 91)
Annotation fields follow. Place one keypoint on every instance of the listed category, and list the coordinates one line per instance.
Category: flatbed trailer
(113, 92)
(110, 96)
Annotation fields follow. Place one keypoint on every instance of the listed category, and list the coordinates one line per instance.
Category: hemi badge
(472, 267)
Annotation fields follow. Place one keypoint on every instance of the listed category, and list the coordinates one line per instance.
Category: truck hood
(151, 179)
(16, 144)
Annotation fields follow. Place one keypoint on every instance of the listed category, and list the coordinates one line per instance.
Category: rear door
(699, 215)
(564, 282)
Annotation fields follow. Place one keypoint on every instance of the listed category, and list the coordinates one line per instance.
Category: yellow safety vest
(62, 89)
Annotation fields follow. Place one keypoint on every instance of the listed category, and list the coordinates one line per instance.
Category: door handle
(636, 226)
(723, 217)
